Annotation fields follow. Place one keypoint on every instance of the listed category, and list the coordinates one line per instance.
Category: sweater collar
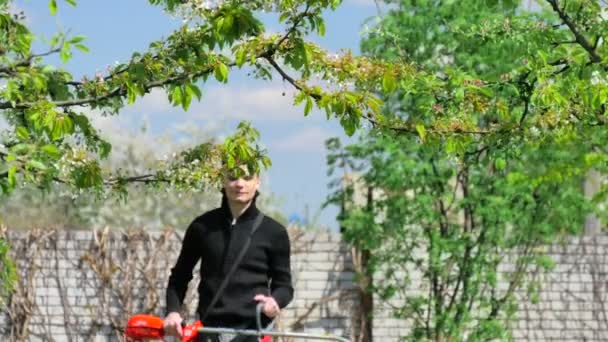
(250, 213)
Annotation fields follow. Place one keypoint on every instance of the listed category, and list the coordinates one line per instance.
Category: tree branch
(26, 62)
(292, 29)
(369, 118)
(526, 96)
(288, 78)
(521, 265)
(597, 41)
(147, 179)
(118, 92)
(564, 42)
(580, 38)
(443, 222)
(465, 267)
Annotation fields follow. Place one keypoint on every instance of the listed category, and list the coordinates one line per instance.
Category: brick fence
(81, 286)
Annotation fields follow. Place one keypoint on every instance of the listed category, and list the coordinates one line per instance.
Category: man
(216, 238)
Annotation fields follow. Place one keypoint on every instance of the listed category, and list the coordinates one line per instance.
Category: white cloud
(122, 134)
(269, 103)
(154, 102)
(364, 2)
(255, 102)
(311, 139)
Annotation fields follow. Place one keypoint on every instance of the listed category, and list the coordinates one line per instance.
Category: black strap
(237, 261)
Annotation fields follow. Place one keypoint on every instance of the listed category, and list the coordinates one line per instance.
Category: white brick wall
(573, 307)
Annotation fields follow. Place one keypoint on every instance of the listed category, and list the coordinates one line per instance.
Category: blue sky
(116, 28)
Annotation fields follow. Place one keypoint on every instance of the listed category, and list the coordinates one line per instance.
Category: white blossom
(597, 78)
(534, 131)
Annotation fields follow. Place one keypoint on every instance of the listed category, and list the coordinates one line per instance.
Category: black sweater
(216, 242)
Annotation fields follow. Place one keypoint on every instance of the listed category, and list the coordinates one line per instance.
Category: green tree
(438, 230)
(437, 220)
(51, 138)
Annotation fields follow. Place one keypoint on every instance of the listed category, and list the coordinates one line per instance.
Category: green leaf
(12, 176)
(131, 94)
(176, 96)
(389, 84)
(241, 56)
(230, 162)
(65, 53)
(48, 69)
(22, 133)
(186, 99)
(21, 149)
(500, 164)
(374, 104)
(308, 106)
(459, 94)
(299, 98)
(228, 24)
(81, 47)
(321, 27)
(51, 150)
(61, 127)
(421, 131)
(53, 7)
(593, 158)
(36, 164)
(486, 91)
(450, 145)
(104, 149)
(307, 54)
(221, 72)
(349, 125)
(283, 16)
(546, 262)
(192, 89)
(71, 2)
(77, 39)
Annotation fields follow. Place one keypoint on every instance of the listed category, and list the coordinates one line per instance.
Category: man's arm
(181, 273)
(281, 288)
(279, 271)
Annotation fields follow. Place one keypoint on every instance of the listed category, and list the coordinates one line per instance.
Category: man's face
(241, 189)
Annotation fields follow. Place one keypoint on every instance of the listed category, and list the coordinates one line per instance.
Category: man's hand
(271, 308)
(172, 325)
